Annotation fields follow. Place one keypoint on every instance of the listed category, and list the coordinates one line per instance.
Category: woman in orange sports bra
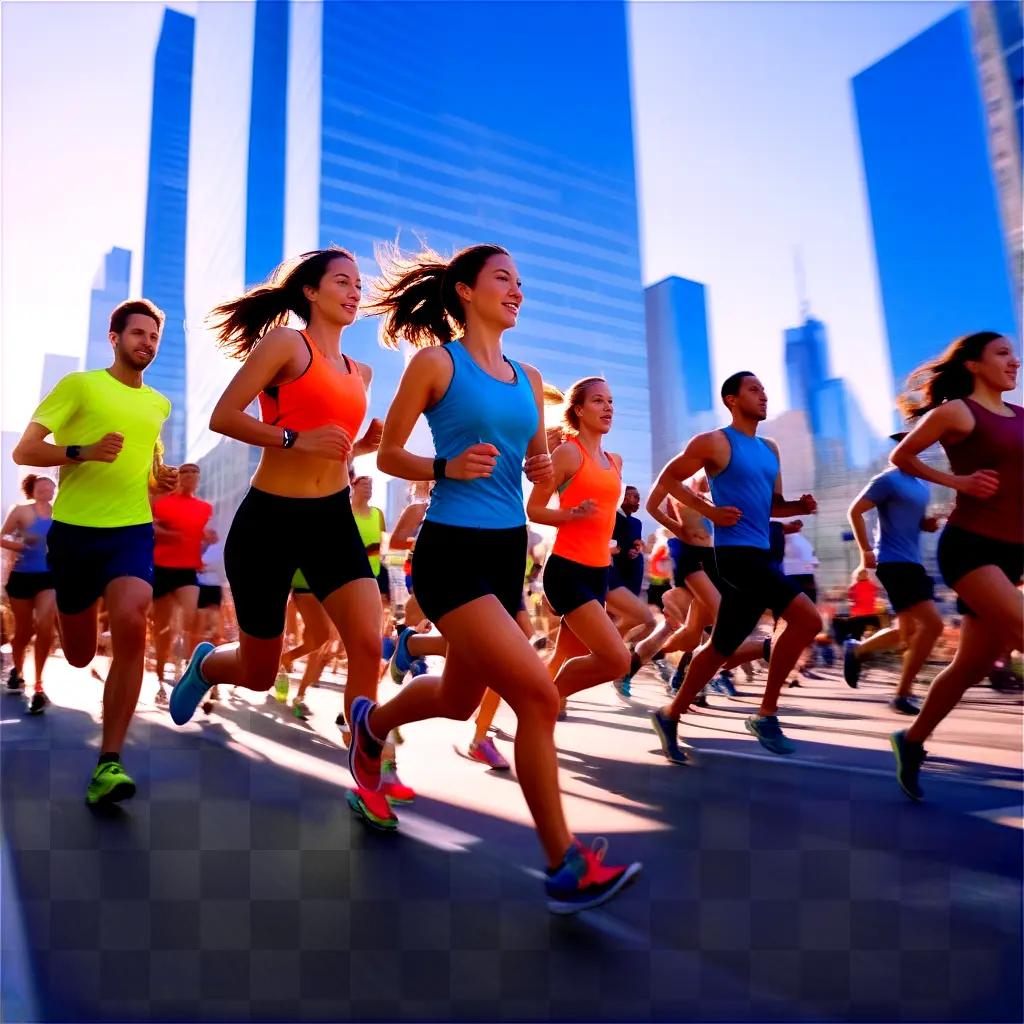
(297, 513)
(589, 649)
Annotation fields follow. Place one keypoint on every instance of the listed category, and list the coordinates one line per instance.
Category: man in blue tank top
(746, 492)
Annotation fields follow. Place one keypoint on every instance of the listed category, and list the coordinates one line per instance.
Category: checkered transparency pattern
(236, 888)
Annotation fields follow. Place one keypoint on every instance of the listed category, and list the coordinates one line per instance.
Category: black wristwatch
(74, 452)
(440, 465)
(290, 437)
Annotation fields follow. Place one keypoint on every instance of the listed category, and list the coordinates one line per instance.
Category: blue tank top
(478, 408)
(747, 483)
(33, 558)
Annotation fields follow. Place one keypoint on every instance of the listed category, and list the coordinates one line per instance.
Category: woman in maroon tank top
(958, 402)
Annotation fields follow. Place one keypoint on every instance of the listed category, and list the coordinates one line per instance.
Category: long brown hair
(241, 322)
(416, 296)
(945, 378)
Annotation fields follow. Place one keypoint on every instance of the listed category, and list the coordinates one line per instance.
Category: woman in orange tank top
(297, 513)
(588, 480)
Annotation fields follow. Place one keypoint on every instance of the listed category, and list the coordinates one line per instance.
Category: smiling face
(137, 345)
(336, 298)
(998, 365)
(497, 294)
(595, 411)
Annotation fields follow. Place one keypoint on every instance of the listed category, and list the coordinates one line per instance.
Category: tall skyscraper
(384, 141)
(109, 289)
(55, 367)
(807, 367)
(163, 262)
(678, 365)
(388, 139)
(940, 246)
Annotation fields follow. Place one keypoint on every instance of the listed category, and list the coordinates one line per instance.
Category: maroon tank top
(996, 442)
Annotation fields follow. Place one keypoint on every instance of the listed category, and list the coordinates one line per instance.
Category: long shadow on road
(237, 886)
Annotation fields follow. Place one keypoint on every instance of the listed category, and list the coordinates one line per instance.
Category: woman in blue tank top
(485, 414)
(30, 586)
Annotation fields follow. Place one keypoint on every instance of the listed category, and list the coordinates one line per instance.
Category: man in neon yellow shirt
(106, 433)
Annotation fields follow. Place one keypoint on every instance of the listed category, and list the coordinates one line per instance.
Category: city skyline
(723, 339)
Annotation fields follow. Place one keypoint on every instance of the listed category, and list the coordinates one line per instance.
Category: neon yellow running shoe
(109, 784)
(281, 687)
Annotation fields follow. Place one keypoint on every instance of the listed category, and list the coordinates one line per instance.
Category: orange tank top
(320, 395)
(588, 541)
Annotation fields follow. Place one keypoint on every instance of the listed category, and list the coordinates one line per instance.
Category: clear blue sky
(745, 141)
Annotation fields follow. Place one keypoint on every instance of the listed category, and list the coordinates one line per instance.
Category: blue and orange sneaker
(583, 881)
(364, 749)
(373, 808)
(190, 689)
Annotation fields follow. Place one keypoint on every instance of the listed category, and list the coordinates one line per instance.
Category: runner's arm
(951, 420)
(657, 511)
(34, 450)
(697, 455)
(409, 520)
(417, 391)
(565, 461)
(11, 523)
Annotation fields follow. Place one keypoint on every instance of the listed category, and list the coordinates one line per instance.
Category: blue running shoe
(851, 663)
(666, 728)
(769, 734)
(583, 881)
(418, 667)
(909, 758)
(401, 660)
(190, 689)
(725, 683)
(364, 752)
(623, 688)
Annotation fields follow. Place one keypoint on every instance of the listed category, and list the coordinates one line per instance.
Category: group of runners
(128, 530)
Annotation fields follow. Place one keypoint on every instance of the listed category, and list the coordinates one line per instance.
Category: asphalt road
(236, 885)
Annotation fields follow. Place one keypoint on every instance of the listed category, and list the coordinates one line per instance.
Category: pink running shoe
(487, 753)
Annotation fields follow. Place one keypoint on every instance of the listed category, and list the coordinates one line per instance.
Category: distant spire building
(163, 264)
(109, 289)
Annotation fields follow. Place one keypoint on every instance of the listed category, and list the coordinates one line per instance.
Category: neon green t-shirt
(370, 531)
(81, 409)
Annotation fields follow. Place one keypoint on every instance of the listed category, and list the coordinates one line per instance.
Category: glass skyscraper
(807, 367)
(531, 146)
(344, 124)
(940, 247)
(678, 366)
(163, 263)
(109, 289)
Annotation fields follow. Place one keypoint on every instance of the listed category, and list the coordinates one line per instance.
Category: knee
(539, 702)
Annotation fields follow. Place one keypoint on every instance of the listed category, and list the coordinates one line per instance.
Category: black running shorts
(961, 552)
(167, 581)
(27, 586)
(453, 565)
(750, 583)
(210, 595)
(906, 584)
(569, 585)
(272, 536)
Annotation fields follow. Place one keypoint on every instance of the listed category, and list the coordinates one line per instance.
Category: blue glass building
(939, 242)
(163, 264)
(807, 368)
(678, 365)
(109, 289)
(529, 146)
